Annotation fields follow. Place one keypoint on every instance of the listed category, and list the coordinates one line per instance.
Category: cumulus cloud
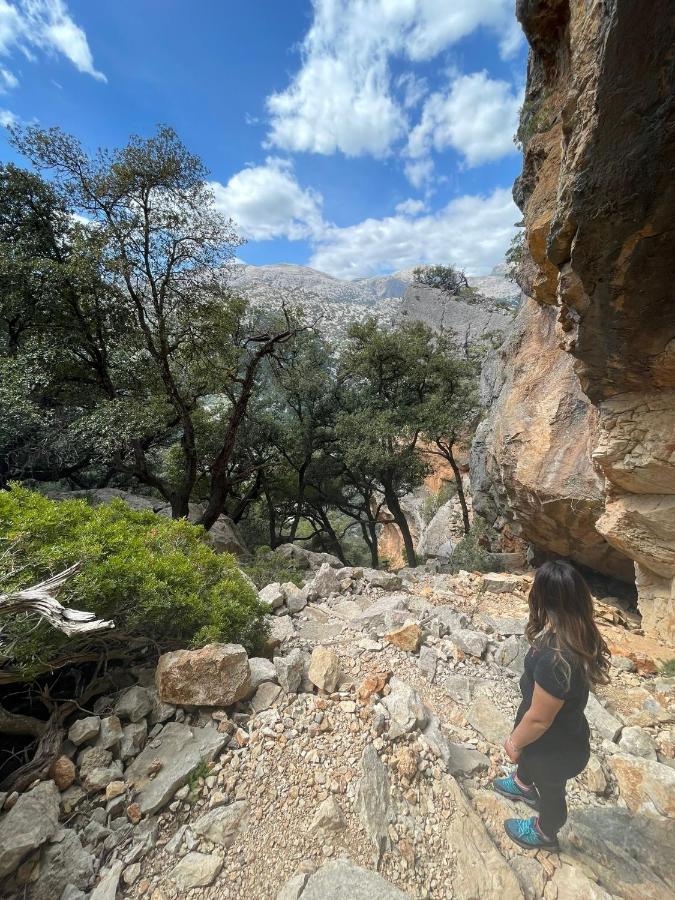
(267, 202)
(471, 231)
(45, 25)
(342, 98)
(477, 116)
(411, 207)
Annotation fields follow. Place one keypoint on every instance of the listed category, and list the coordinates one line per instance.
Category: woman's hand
(511, 750)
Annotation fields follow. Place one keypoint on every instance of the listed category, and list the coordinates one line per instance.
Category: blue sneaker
(525, 833)
(509, 787)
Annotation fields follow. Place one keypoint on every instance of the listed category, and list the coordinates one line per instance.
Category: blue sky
(357, 136)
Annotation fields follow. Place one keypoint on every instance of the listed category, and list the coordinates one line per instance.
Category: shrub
(267, 567)
(667, 668)
(433, 502)
(469, 553)
(156, 578)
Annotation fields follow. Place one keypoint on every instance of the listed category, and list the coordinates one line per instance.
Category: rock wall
(597, 339)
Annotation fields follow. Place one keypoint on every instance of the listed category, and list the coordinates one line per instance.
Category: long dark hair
(561, 616)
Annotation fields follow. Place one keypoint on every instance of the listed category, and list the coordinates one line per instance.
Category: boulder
(570, 883)
(472, 642)
(106, 888)
(133, 740)
(32, 820)
(340, 880)
(637, 742)
(272, 594)
(84, 730)
(325, 582)
(110, 733)
(289, 670)
(374, 801)
(465, 760)
(296, 598)
(428, 662)
(386, 581)
(503, 583)
(281, 629)
(646, 786)
(328, 818)
(449, 620)
(265, 696)
(405, 709)
(373, 617)
(261, 670)
(511, 653)
(408, 637)
(306, 559)
(222, 824)
(196, 870)
(601, 720)
(63, 862)
(324, 669)
(134, 704)
(488, 720)
(159, 771)
(215, 675)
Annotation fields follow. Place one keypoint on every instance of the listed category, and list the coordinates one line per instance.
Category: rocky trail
(355, 764)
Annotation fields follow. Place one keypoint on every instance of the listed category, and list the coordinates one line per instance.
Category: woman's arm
(537, 720)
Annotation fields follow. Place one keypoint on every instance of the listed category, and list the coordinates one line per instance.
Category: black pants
(550, 772)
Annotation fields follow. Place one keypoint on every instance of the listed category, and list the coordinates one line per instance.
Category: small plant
(267, 567)
(470, 553)
(667, 668)
(433, 502)
(202, 770)
(445, 278)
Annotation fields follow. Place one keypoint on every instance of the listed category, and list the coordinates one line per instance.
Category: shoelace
(526, 831)
(513, 787)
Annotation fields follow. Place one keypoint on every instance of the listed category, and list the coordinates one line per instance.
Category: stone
(63, 772)
(296, 598)
(110, 733)
(462, 689)
(428, 661)
(372, 619)
(374, 801)
(215, 675)
(115, 789)
(505, 625)
(273, 595)
(325, 582)
(480, 870)
(324, 669)
(386, 581)
(472, 642)
(601, 720)
(289, 670)
(435, 740)
(265, 696)
(106, 888)
(222, 824)
(638, 742)
(511, 653)
(571, 884)
(623, 663)
(341, 880)
(449, 620)
(84, 730)
(464, 760)
(281, 629)
(408, 637)
(646, 786)
(531, 876)
(306, 559)
(98, 778)
(131, 874)
(70, 892)
(63, 863)
(261, 669)
(196, 870)
(30, 822)
(328, 817)
(134, 704)
(503, 582)
(594, 776)
(158, 772)
(372, 684)
(133, 740)
(488, 720)
(406, 710)
(631, 855)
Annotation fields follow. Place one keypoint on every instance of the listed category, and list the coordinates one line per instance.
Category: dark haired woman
(550, 739)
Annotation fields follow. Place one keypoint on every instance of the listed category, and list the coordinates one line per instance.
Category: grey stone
(161, 712)
(387, 581)
(180, 751)
(638, 742)
(196, 870)
(502, 582)
(328, 817)
(110, 733)
(265, 696)
(449, 620)
(325, 582)
(505, 625)
(98, 778)
(289, 670)
(373, 618)
(106, 889)
(464, 760)
(463, 689)
(84, 730)
(222, 824)
(435, 739)
(281, 629)
(472, 642)
(632, 855)
(133, 740)
(601, 720)
(405, 709)
(511, 653)
(374, 800)
(428, 661)
(623, 663)
(63, 862)
(261, 670)
(134, 704)
(296, 598)
(341, 880)
(488, 720)
(273, 595)
(30, 822)
(70, 892)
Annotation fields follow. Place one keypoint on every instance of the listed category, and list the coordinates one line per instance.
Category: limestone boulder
(215, 675)
(324, 669)
(645, 785)
(340, 880)
(32, 820)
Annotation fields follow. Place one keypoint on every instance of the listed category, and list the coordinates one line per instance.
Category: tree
(180, 337)
(447, 279)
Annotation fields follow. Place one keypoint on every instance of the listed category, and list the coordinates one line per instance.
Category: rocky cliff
(579, 445)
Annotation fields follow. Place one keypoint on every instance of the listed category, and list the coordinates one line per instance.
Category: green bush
(267, 567)
(667, 668)
(469, 553)
(157, 579)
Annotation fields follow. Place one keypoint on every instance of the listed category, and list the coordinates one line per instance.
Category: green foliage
(445, 278)
(267, 566)
(470, 553)
(156, 578)
(667, 668)
(201, 770)
(514, 255)
(433, 502)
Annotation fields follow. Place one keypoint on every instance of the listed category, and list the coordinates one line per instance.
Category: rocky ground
(355, 764)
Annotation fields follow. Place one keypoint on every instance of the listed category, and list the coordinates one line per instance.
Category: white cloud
(7, 118)
(267, 202)
(342, 98)
(471, 231)
(411, 207)
(48, 26)
(419, 171)
(478, 117)
(8, 80)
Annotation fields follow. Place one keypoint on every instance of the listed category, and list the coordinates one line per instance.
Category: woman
(550, 739)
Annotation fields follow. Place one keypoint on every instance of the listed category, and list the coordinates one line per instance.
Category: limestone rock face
(215, 675)
(584, 391)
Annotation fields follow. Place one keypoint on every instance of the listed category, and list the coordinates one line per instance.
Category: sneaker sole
(552, 848)
(533, 804)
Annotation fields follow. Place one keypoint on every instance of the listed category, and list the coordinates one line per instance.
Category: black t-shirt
(569, 730)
